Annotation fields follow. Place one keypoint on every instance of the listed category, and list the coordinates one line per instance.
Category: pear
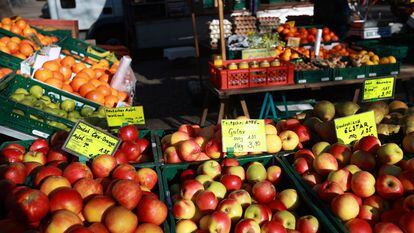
(324, 110)
(50, 110)
(378, 114)
(36, 91)
(30, 98)
(74, 114)
(18, 111)
(21, 91)
(388, 129)
(398, 106)
(86, 111)
(62, 113)
(101, 112)
(27, 102)
(53, 105)
(39, 104)
(311, 122)
(68, 105)
(18, 97)
(381, 105)
(347, 108)
(45, 99)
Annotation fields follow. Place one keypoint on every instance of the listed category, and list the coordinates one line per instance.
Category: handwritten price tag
(351, 128)
(293, 42)
(125, 115)
(378, 89)
(243, 135)
(88, 141)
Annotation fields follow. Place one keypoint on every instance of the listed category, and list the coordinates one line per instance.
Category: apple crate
(384, 70)
(171, 175)
(253, 77)
(313, 76)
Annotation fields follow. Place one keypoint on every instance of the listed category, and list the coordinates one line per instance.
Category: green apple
(68, 105)
(257, 212)
(18, 97)
(390, 154)
(86, 111)
(237, 171)
(46, 99)
(286, 218)
(21, 91)
(36, 91)
(232, 208)
(203, 179)
(217, 188)
(289, 197)
(211, 168)
(256, 172)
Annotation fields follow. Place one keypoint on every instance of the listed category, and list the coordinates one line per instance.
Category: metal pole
(222, 39)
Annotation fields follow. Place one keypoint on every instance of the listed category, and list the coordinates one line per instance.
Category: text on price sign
(351, 128)
(243, 135)
(378, 89)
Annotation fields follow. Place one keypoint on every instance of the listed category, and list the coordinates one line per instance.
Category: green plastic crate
(9, 86)
(4, 32)
(171, 173)
(349, 73)
(385, 48)
(60, 34)
(9, 61)
(25, 143)
(79, 47)
(384, 70)
(313, 76)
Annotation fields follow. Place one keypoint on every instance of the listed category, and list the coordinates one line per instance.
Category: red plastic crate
(252, 77)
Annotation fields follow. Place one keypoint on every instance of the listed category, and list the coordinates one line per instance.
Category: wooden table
(406, 73)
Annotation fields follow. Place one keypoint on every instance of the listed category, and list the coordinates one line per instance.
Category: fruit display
(46, 189)
(306, 35)
(239, 195)
(20, 48)
(90, 82)
(20, 27)
(192, 143)
(368, 185)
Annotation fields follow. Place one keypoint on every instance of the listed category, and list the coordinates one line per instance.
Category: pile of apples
(369, 186)
(193, 143)
(58, 194)
(228, 197)
(17, 47)
(20, 27)
(133, 149)
(88, 81)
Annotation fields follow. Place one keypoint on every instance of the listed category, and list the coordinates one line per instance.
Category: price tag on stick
(88, 141)
(243, 135)
(378, 89)
(126, 115)
(355, 127)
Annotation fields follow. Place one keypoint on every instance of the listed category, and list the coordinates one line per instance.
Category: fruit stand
(83, 160)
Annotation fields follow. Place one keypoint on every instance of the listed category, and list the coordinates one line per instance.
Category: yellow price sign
(125, 115)
(258, 53)
(243, 135)
(355, 127)
(378, 89)
(88, 141)
(293, 42)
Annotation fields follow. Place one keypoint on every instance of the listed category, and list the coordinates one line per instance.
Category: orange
(77, 82)
(111, 101)
(122, 96)
(114, 92)
(89, 61)
(51, 65)
(4, 40)
(55, 82)
(85, 89)
(89, 71)
(4, 49)
(68, 61)
(67, 87)
(16, 39)
(58, 75)
(104, 78)
(96, 97)
(43, 74)
(13, 46)
(104, 63)
(84, 75)
(6, 21)
(26, 49)
(95, 82)
(21, 24)
(76, 68)
(6, 71)
(19, 55)
(66, 72)
(28, 31)
(99, 72)
(6, 27)
(104, 90)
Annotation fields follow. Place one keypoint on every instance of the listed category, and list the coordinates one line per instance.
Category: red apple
(128, 133)
(15, 172)
(232, 182)
(342, 177)
(329, 190)
(65, 198)
(407, 180)
(43, 172)
(358, 226)
(206, 201)
(125, 171)
(311, 178)
(103, 165)
(61, 221)
(127, 193)
(56, 155)
(387, 227)
(304, 153)
(363, 184)
(31, 167)
(190, 188)
(131, 150)
(12, 155)
(40, 145)
(301, 165)
(369, 214)
(264, 191)
(219, 222)
(188, 150)
(407, 222)
(247, 226)
(272, 227)
(213, 149)
(389, 187)
(188, 174)
(345, 207)
(229, 162)
(119, 219)
(95, 208)
(302, 132)
(274, 174)
(325, 163)
(408, 203)
(76, 171)
(276, 205)
(258, 213)
(148, 228)
(78, 229)
(241, 196)
(171, 156)
(147, 177)
(151, 210)
(232, 208)
(307, 224)
(31, 205)
(143, 144)
(368, 144)
(184, 209)
(377, 202)
(120, 157)
(98, 227)
(88, 187)
(341, 152)
(392, 216)
(363, 159)
(53, 182)
(15, 146)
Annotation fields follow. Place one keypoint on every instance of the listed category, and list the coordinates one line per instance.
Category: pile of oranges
(4, 72)
(306, 35)
(91, 83)
(21, 27)
(16, 47)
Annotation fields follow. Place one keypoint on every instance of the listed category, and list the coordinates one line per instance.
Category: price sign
(378, 89)
(125, 115)
(351, 128)
(243, 135)
(258, 53)
(88, 141)
(293, 42)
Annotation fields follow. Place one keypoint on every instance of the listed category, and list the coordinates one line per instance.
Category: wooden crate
(53, 24)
